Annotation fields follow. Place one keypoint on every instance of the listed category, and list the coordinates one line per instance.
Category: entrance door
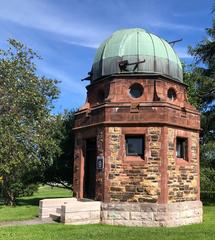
(90, 169)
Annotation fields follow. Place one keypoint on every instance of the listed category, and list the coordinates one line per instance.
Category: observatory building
(137, 136)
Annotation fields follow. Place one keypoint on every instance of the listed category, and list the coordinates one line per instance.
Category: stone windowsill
(134, 160)
(182, 162)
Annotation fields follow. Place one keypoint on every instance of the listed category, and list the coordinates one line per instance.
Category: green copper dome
(136, 51)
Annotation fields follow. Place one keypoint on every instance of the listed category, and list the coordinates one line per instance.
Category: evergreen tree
(200, 79)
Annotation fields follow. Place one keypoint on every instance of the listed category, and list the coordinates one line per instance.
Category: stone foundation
(152, 214)
(73, 211)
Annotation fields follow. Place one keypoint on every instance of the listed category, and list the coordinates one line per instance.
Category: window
(181, 148)
(136, 90)
(171, 94)
(135, 145)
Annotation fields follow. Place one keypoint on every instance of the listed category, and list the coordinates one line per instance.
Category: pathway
(26, 222)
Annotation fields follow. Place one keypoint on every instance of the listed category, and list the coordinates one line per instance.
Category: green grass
(204, 231)
(27, 207)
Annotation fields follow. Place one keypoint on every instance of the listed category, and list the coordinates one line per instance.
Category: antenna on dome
(172, 43)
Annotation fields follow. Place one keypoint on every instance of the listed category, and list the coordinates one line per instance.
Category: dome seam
(166, 54)
(153, 51)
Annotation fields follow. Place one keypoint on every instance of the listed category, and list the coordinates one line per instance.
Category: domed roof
(136, 51)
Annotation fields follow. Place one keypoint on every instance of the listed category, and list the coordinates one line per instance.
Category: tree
(205, 51)
(61, 171)
(200, 78)
(27, 144)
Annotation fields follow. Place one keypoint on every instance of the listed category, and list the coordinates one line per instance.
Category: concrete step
(55, 217)
(49, 206)
(58, 210)
(81, 212)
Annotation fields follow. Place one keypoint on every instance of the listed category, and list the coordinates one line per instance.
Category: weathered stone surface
(183, 179)
(118, 215)
(152, 214)
(121, 206)
(142, 216)
(139, 183)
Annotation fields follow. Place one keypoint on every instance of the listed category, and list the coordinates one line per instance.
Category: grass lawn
(204, 231)
(27, 207)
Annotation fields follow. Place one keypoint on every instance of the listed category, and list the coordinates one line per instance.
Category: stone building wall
(134, 180)
(183, 175)
(158, 189)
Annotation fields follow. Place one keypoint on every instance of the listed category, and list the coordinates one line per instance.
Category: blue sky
(66, 33)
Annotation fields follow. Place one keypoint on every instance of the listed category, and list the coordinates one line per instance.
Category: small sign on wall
(100, 162)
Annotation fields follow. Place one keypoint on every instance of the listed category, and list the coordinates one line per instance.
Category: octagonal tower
(137, 136)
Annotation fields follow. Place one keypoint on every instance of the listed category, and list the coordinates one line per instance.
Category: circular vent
(136, 90)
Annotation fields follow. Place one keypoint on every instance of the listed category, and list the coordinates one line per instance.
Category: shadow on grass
(208, 198)
(22, 202)
(27, 201)
(31, 201)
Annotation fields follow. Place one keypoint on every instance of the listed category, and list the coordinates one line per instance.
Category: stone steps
(84, 212)
(49, 206)
(71, 211)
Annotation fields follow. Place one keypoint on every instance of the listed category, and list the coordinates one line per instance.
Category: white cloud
(37, 15)
(67, 83)
(182, 52)
(176, 26)
(77, 26)
(191, 13)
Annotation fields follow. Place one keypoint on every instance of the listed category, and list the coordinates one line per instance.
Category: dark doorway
(90, 169)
